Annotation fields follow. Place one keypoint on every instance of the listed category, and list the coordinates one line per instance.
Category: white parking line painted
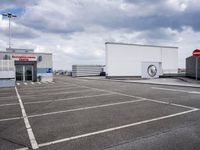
(45, 82)
(194, 92)
(24, 148)
(85, 108)
(58, 93)
(157, 101)
(69, 84)
(7, 97)
(176, 90)
(51, 82)
(9, 93)
(11, 104)
(32, 139)
(162, 102)
(9, 119)
(173, 104)
(35, 91)
(71, 110)
(46, 87)
(142, 98)
(67, 99)
(115, 128)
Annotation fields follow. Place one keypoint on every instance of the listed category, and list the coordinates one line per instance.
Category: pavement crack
(16, 143)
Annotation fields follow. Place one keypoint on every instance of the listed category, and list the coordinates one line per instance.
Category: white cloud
(75, 31)
(3, 23)
(179, 5)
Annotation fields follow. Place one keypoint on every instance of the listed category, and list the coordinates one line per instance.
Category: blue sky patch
(17, 10)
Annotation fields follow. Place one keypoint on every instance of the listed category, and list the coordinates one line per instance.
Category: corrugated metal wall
(86, 70)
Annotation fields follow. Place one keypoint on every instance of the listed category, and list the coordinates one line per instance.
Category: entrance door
(24, 72)
(19, 73)
(28, 72)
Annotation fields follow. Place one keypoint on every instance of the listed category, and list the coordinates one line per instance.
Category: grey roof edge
(116, 43)
(25, 53)
(192, 57)
(20, 49)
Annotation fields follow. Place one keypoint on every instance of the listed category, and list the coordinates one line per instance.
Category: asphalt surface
(81, 114)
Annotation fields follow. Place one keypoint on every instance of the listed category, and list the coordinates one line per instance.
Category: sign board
(49, 70)
(196, 53)
(22, 57)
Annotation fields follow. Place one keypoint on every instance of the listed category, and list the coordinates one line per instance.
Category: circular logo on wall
(152, 70)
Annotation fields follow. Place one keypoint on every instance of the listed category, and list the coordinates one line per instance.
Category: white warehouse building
(146, 61)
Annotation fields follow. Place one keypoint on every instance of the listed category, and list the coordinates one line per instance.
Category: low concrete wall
(7, 83)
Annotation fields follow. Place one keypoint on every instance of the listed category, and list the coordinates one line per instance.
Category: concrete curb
(166, 84)
(137, 82)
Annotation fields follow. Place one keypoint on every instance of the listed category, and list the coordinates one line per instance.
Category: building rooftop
(115, 43)
(13, 50)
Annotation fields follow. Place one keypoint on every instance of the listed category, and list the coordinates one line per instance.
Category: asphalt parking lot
(81, 114)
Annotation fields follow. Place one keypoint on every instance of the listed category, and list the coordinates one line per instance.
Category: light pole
(9, 15)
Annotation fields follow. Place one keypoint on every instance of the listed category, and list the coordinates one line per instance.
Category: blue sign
(49, 70)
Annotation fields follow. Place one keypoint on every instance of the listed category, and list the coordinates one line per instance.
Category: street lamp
(9, 15)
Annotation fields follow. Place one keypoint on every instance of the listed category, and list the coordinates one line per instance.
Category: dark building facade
(193, 67)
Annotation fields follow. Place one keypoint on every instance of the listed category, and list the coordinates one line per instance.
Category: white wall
(7, 73)
(7, 69)
(43, 65)
(46, 61)
(170, 60)
(126, 60)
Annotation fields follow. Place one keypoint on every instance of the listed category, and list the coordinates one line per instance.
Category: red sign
(23, 58)
(196, 53)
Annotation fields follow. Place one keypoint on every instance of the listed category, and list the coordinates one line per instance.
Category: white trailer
(147, 61)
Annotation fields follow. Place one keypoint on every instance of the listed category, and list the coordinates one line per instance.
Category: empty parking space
(170, 133)
(9, 104)
(74, 114)
(61, 96)
(90, 120)
(53, 90)
(10, 112)
(13, 133)
(7, 101)
(75, 103)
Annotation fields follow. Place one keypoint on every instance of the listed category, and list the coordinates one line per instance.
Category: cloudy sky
(75, 31)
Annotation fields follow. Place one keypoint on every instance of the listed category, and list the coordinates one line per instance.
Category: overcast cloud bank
(75, 31)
